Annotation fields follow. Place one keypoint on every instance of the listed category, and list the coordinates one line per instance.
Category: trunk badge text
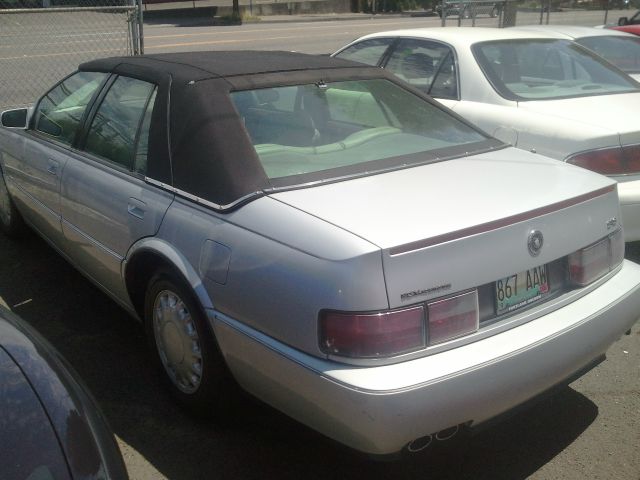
(425, 291)
(535, 242)
(611, 223)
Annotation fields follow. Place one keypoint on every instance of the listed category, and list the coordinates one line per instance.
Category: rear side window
(428, 66)
(367, 51)
(114, 130)
(60, 111)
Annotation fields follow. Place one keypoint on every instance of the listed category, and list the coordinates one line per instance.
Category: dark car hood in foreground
(47, 387)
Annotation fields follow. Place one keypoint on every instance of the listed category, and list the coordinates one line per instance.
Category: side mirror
(17, 118)
(622, 21)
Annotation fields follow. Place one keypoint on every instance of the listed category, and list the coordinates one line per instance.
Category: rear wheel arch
(153, 256)
(11, 221)
(157, 272)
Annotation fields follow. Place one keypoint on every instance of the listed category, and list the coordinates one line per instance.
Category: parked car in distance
(469, 8)
(349, 250)
(531, 89)
(633, 29)
(50, 426)
(620, 48)
(634, 20)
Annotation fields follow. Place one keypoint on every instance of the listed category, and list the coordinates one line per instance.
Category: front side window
(348, 127)
(367, 51)
(428, 66)
(114, 129)
(60, 111)
(542, 69)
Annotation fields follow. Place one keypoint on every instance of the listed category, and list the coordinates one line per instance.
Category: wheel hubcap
(5, 205)
(177, 341)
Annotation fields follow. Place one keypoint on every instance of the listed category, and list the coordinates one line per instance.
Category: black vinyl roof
(200, 65)
(198, 143)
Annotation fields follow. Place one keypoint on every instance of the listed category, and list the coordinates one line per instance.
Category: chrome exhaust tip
(443, 435)
(419, 444)
(447, 433)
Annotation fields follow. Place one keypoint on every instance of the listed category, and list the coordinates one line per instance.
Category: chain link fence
(42, 41)
(530, 12)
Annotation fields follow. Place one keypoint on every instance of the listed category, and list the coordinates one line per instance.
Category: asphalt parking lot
(589, 430)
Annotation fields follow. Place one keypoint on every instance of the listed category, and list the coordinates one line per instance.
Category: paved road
(318, 37)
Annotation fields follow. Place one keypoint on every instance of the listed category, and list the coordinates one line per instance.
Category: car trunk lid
(610, 112)
(458, 224)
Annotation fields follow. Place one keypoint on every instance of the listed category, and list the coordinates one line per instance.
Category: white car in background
(532, 89)
(620, 48)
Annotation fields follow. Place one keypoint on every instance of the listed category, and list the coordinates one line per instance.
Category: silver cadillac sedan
(342, 246)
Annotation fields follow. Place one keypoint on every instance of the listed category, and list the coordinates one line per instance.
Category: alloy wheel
(177, 341)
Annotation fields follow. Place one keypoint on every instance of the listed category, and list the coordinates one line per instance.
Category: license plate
(519, 290)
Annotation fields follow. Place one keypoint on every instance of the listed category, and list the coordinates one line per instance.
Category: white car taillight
(371, 335)
(592, 262)
(452, 317)
(610, 161)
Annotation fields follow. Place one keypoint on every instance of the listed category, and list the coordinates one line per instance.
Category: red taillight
(452, 317)
(610, 161)
(592, 262)
(371, 335)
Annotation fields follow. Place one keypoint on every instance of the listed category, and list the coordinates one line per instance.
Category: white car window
(540, 69)
(623, 52)
(368, 51)
(428, 66)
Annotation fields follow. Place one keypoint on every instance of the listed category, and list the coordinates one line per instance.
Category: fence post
(510, 12)
(140, 28)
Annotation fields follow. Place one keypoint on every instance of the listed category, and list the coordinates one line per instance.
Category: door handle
(136, 208)
(52, 167)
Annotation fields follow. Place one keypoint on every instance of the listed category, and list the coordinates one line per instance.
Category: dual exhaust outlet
(421, 443)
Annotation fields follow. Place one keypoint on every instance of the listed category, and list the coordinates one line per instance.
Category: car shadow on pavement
(108, 350)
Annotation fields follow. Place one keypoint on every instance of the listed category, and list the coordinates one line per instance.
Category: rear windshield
(622, 51)
(325, 131)
(541, 69)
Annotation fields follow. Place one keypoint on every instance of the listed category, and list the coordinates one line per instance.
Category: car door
(106, 203)
(48, 145)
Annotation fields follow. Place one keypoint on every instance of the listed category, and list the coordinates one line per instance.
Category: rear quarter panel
(274, 268)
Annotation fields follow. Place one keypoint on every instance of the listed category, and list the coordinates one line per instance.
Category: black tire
(11, 222)
(209, 390)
